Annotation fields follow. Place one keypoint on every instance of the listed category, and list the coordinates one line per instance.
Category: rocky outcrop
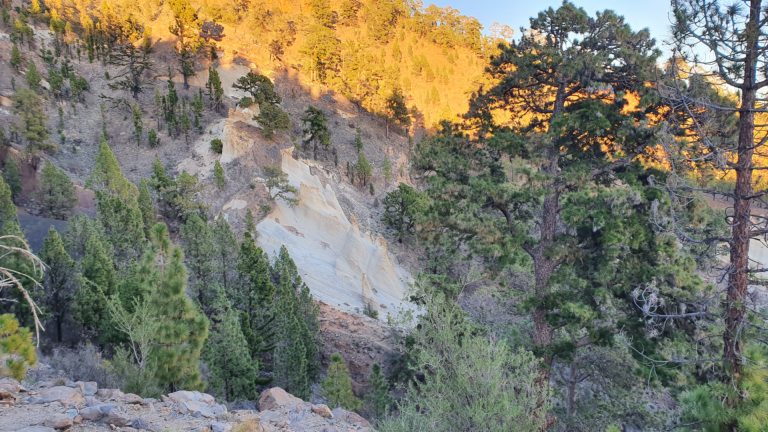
(82, 406)
(342, 265)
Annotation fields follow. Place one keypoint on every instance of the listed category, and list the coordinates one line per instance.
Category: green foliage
(233, 372)
(378, 400)
(107, 175)
(315, 129)
(337, 385)
(386, 169)
(16, 58)
(295, 355)
(29, 107)
(363, 169)
(17, 352)
(396, 109)
(183, 329)
(322, 51)
(225, 256)
(217, 145)
(12, 176)
(214, 89)
(255, 297)
(197, 241)
(177, 196)
(279, 187)
(146, 206)
(152, 139)
(259, 87)
(56, 193)
(358, 142)
(98, 283)
(60, 281)
(273, 119)
(218, 175)
(32, 76)
(402, 209)
(138, 124)
(186, 27)
(471, 381)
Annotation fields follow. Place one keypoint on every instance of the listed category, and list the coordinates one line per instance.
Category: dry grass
(11, 245)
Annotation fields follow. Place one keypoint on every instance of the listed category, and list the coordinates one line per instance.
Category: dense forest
(583, 216)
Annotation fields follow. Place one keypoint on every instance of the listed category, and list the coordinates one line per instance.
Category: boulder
(117, 418)
(58, 422)
(275, 398)
(88, 388)
(351, 418)
(130, 398)
(186, 396)
(109, 394)
(322, 410)
(96, 412)
(196, 403)
(10, 385)
(67, 396)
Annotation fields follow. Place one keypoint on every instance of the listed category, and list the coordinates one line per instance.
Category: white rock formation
(341, 265)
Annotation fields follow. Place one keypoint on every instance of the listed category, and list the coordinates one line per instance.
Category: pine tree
(107, 174)
(233, 372)
(12, 176)
(59, 282)
(16, 58)
(337, 386)
(225, 257)
(378, 399)
(29, 107)
(123, 224)
(98, 283)
(56, 193)
(186, 27)
(138, 124)
(32, 76)
(218, 175)
(315, 129)
(183, 329)
(214, 89)
(358, 142)
(364, 169)
(17, 352)
(256, 296)
(250, 223)
(146, 206)
(197, 241)
(296, 353)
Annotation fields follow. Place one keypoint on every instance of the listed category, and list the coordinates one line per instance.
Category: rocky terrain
(51, 405)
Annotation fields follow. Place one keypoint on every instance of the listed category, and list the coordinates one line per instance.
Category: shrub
(217, 146)
(17, 353)
(84, 363)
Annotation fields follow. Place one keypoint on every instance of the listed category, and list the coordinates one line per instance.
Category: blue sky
(651, 14)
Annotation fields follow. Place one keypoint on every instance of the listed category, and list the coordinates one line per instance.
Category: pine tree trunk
(738, 279)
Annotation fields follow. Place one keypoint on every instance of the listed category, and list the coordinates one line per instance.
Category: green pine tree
(60, 281)
(56, 193)
(12, 176)
(17, 352)
(256, 297)
(225, 257)
(378, 399)
(337, 385)
(218, 175)
(183, 329)
(146, 206)
(197, 242)
(107, 174)
(97, 284)
(233, 373)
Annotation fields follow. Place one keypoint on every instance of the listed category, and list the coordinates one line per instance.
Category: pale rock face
(341, 265)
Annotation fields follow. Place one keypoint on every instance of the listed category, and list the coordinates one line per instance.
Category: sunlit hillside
(364, 50)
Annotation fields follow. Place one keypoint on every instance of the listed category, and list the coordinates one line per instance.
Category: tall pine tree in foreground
(233, 373)
(256, 298)
(60, 281)
(337, 386)
(183, 329)
(295, 357)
